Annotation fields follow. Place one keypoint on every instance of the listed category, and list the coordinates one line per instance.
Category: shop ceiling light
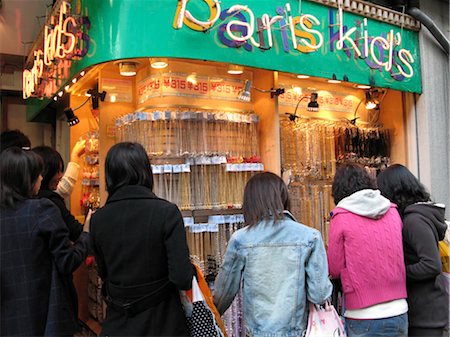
(127, 68)
(363, 86)
(192, 78)
(71, 118)
(334, 79)
(235, 69)
(302, 76)
(159, 63)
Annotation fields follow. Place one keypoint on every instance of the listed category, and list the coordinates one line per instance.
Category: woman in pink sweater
(365, 251)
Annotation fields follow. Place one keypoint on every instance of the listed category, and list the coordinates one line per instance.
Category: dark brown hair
(350, 178)
(19, 171)
(401, 187)
(265, 196)
(53, 164)
(127, 164)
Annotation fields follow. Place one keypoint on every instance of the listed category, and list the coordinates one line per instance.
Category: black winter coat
(423, 228)
(139, 240)
(36, 256)
(75, 228)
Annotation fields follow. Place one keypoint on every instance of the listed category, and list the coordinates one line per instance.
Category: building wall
(20, 23)
(432, 109)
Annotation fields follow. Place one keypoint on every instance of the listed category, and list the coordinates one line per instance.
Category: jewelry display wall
(207, 242)
(310, 151)
(90, 174)
(201, 161)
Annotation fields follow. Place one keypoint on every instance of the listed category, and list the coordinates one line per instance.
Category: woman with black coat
(423, 227)
(36, 253)
(140, 246)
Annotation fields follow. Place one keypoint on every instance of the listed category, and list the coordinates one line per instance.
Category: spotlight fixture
(312, 106)
(159, 63)
(235, 69)
(95, 96)
(244, 94)
(127, 68)
(71, 118)
(334, 79)
(371, 102)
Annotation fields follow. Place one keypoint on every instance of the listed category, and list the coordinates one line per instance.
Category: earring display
(207, 244)
(216, 152)
(311, 149)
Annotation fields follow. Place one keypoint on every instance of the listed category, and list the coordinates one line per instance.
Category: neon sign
(64, 39)
(239, 28)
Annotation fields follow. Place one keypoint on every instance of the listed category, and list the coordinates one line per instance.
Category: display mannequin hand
(77, 150)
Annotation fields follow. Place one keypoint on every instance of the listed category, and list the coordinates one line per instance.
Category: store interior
(208, 127)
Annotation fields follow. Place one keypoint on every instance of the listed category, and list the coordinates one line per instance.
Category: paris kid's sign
(64, 39)
(315, 40)
(297, 37)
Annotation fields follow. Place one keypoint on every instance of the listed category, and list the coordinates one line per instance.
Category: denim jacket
(281, 267)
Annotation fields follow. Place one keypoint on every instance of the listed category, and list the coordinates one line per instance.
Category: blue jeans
(396, 326)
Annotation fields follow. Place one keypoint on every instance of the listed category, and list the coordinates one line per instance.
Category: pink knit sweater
(367, 255)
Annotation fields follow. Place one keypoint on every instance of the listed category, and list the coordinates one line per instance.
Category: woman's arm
(228, 280)
(67, 256)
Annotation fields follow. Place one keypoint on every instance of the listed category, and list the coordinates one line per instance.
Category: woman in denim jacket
(280, 263)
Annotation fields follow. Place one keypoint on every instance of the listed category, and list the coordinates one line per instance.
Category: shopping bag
(444, 251)
(202, 316)
(323, 321)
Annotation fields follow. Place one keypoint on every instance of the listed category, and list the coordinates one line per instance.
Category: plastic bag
(324, 321)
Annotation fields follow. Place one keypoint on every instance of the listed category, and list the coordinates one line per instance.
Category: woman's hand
(77, 151)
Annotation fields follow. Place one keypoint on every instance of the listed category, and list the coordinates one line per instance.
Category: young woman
(280, 263)
(53, 172)
(140, 246)
(423, 227)
(36, 253)
(365, 251)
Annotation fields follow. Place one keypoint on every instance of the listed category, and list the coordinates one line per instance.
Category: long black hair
(401, 187)
(53, 164)
(11, 138)
(127, 164)
(265, 196)
(350, 178)
(19, 171)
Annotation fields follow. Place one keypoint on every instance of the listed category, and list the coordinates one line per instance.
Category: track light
(234, 69)
(95, 96)
(127, 68)
(159, 63)
(244, 94)
(312, 106)
(71, 118)
(371, 102)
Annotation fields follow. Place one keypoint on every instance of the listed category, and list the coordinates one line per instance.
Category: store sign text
(299, 33)
(63, 40)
